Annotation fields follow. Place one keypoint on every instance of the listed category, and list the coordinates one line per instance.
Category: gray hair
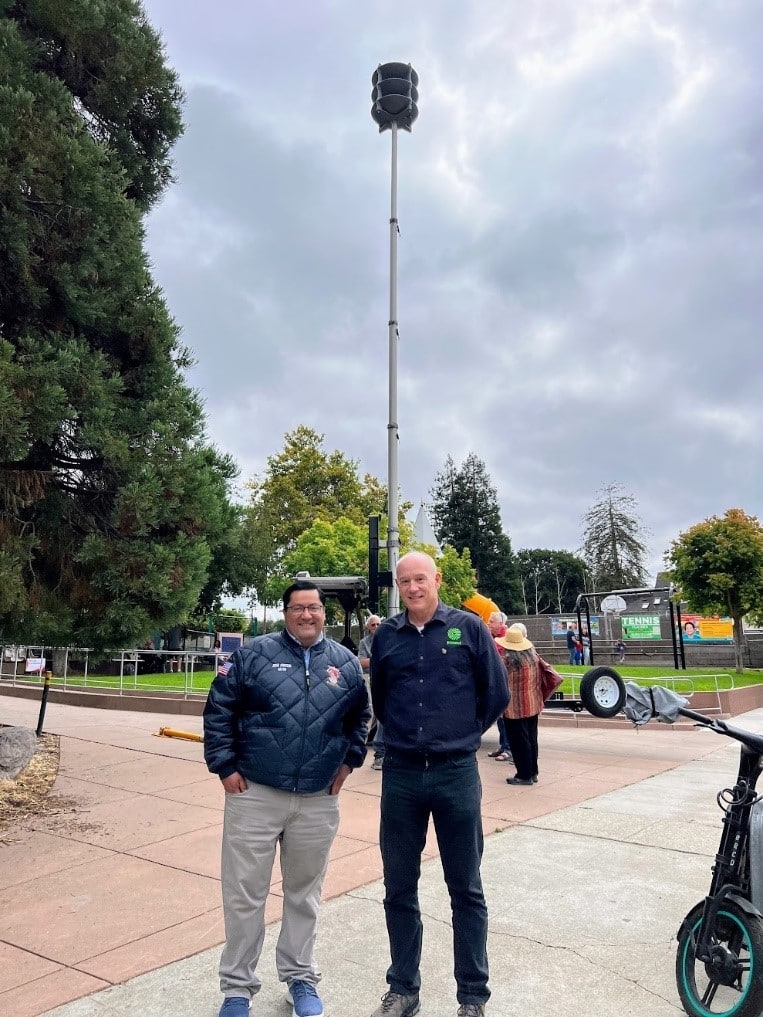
(520, 627)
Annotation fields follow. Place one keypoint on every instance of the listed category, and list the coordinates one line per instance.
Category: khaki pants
(255, 821)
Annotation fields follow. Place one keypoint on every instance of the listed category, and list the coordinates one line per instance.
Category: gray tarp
(642, 704)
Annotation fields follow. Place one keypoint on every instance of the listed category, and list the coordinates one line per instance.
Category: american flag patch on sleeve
(224, 668)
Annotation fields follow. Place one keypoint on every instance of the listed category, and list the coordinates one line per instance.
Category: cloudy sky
(580, 256)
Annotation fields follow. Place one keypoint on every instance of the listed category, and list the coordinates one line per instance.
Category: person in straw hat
(525, 704)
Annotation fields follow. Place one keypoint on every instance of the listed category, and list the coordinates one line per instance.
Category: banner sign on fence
(641, 626)
(34, 665)
(559, 625)
(707, 630)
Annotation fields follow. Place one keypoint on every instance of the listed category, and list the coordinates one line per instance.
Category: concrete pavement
(111, 906)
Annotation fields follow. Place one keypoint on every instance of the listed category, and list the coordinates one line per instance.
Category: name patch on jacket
(281, 666)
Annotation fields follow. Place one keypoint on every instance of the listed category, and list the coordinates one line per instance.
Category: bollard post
(44, 701)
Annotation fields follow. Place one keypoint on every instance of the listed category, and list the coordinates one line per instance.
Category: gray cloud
(580, 253)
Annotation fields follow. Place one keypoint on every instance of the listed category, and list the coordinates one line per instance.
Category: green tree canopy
(613, 546)
(465, 514)
(338, 548)
(551, 580)
(107, 484)
(457, 576)
(110, 63)
(304, 484)
(230, 562)
(718, 566)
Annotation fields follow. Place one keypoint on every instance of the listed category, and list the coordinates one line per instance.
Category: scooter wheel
(602, 692)
(730, 983)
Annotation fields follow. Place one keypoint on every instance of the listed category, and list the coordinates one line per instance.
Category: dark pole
(373, 564)
(590, 633)
(673, 632)
(679, 626)
(44, 701)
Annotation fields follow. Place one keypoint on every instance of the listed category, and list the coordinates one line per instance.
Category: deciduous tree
(718, 566)
(551, 580)
(338, 548)
(302, 484)
(457, 576)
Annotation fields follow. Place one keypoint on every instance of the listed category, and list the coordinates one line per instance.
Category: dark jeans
(448, 789)
(379, 746)
(523, 739)
(503, 740)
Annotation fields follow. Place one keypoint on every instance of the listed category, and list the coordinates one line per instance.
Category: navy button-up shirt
(437, 690)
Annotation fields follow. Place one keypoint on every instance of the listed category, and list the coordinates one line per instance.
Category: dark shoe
(304, 999)
(471, 1010)
(235, 1006)
(395, 1004)
(492, 755)
(535, 778)
(525, 782)
(504, 757)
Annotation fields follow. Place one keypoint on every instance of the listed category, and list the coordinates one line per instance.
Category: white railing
(128, 680)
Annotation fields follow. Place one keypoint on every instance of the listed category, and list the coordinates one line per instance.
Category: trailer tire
(602, 692)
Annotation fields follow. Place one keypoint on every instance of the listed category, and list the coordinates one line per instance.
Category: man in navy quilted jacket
(284, 725)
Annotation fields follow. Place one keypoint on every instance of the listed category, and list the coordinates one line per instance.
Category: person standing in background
(497, 625)
(572, 639)
(364, 656)
(525, 705)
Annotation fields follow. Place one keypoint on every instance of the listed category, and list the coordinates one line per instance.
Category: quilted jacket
(276, 723)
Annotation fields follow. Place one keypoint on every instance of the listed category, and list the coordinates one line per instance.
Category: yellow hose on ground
(171, 732)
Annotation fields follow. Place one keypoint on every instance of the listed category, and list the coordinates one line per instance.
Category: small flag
(224, 668)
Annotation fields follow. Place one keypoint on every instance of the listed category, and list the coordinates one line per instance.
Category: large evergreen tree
(110, 498)
(465, 513)
(613, 545)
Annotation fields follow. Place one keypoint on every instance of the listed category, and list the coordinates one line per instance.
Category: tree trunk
(58, 663)
(738, 645)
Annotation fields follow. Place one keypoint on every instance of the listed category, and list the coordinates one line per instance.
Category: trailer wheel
(602, 692)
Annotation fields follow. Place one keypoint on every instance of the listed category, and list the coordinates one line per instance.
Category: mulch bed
(29, 794)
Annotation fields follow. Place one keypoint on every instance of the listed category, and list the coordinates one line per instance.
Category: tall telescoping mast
(395, 97)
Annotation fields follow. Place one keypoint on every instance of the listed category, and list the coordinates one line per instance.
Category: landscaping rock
(17, 746)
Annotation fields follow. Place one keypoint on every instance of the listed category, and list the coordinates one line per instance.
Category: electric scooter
(719, 962)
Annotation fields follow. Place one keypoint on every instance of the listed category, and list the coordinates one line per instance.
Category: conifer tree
(465, 513)
(613, 547)
(110, 498)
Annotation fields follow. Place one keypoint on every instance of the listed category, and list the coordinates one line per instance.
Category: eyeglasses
(313, 609)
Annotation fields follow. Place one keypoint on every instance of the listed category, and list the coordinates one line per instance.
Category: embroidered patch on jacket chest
(333, 674)
(454, 637)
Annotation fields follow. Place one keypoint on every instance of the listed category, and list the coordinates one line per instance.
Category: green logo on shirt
(454, 637)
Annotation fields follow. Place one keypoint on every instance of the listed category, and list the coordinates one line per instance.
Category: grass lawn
(198, 683)
(646, 675)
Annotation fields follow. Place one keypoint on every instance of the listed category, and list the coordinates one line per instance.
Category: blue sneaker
(235, 1006)
(304, 999)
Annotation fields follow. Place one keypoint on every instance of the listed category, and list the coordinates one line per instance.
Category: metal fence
(124, 671)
